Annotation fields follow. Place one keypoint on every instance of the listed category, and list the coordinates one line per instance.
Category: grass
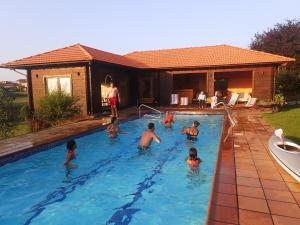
(21, 97)
(288, 119)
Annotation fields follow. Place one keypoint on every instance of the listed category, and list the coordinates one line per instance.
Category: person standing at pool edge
(148, 136)
(71, 146)
(114, 98)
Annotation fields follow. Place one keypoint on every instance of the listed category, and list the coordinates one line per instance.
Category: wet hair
(150, 125)
(196, 123)
(113, 119)
(193, 154)
(71, 145)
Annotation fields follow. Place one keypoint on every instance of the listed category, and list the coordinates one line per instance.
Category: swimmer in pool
(71, 146)
(113, 129)
(168, 120)
(192, 132)
(193, 160)
(148, 136)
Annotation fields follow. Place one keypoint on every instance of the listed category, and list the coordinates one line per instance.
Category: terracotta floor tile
(283, 196)
(268, 175)
(284, 209)
(253, 204)
(250, 191)
(282, 220)
(245, 167)
(226, 188)
(297, 197)
(225, 200)
(275, 185)
(246, 173)
(224, 214)
(246, 181)
(250, 218)
(294, 187)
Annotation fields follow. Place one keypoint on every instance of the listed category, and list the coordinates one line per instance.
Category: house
(22, 84)
(149, 76)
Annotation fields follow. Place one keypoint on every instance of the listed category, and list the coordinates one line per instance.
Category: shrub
(279, 100)
(6, 112)
(55, 107)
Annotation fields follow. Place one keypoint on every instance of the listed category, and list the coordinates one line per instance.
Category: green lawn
(288, 119)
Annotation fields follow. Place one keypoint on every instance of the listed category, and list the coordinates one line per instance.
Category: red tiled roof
(74, 53)
(209, 56)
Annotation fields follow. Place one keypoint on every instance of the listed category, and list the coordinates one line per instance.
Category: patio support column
(210, 83)
(88, 89)
(29, 90)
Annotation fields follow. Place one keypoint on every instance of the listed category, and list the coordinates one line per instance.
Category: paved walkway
(252, 189)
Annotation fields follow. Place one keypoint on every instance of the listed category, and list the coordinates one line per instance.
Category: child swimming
(192, 132)
(168, 120)
(113, 129)
(193, 160)
(71, 146)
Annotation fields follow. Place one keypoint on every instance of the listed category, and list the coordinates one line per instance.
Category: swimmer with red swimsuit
(168, 120)
(193, 160)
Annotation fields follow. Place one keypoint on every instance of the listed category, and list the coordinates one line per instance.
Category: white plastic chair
(184, 101)
(174, 99)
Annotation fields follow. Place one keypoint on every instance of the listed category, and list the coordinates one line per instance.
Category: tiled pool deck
(250, 188)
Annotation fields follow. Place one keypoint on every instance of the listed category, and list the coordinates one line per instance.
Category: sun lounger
(251, 102)
(232, 101)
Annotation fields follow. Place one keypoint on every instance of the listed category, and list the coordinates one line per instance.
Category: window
(54, 84)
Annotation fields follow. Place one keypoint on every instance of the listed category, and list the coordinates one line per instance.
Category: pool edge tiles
(26, 152)
(218, 208)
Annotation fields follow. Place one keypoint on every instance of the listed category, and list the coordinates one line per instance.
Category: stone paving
(251, 188)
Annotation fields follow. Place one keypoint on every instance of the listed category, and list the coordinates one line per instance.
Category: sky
(33, 26)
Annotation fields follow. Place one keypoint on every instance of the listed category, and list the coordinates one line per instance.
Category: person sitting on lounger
(168, 120)
(192, 132)
(148, 136)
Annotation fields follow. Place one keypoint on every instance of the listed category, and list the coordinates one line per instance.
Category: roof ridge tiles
(168, 49)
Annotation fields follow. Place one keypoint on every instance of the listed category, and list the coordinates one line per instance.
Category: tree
(6, 109)
(282, 39)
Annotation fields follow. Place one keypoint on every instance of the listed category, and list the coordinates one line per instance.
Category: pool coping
(209, 213)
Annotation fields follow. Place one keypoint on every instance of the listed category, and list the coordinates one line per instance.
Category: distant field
(21, 97)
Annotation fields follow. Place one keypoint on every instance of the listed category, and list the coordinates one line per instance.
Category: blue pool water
(114, 182)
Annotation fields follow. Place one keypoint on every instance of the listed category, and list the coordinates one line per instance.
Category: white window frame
(58, 83)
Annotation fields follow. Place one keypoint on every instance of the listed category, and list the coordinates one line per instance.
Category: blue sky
(32, 26)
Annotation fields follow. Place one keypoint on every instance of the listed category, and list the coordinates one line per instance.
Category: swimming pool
(115, 183)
